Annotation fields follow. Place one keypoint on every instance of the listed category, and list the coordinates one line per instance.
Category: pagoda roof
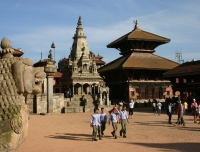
(137, 60)
(99, 62)
(187, 68)
(58, 74)
(138, 36)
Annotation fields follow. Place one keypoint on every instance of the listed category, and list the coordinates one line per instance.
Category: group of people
(117, 116)
(98, 123)
(180, 113)
(182, 109)
(157, 106)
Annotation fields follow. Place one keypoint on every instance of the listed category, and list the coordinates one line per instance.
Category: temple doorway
(86, 88)
(77, 89)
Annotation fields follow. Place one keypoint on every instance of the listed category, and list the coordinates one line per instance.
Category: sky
(32, 25)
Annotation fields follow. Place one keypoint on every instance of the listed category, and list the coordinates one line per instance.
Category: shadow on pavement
(152, 123)
(79, 137)
(183, 147)
(165, 124)
(69, 136)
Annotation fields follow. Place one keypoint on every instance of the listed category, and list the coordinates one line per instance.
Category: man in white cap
(194, 108)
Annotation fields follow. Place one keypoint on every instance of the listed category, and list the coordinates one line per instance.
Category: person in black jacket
(169, 112)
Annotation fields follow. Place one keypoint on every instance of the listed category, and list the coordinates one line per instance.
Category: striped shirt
(95, 119)
(103, 117)
(180, 108)
(123, 114)
(194, 106)
(113, 117)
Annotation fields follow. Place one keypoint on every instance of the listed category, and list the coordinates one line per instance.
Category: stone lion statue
(18, 78)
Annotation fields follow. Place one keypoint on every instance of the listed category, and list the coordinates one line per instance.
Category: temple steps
(76, 100)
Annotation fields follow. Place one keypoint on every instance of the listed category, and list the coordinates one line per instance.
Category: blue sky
(33, 25)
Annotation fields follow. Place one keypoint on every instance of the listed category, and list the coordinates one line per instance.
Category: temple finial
(136, 25)
(79, 21)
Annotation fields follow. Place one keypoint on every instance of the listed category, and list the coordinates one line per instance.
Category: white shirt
(131, 105)
(159, 105)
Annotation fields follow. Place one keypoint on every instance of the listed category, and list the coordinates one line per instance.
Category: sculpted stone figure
(17, 79)
(50, 55)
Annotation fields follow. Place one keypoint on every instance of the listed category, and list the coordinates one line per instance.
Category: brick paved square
(145, 132)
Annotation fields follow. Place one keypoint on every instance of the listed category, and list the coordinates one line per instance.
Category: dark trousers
(103, 127)
(170, 117)
(130, 111)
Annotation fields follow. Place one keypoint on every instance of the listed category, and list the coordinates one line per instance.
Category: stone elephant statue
(18, 78)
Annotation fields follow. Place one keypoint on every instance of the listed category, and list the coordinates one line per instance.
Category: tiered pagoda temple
(80, 76)
(137, 74)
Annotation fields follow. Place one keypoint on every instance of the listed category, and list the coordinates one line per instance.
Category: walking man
(131, 106)
(180, 113)
(95, 123)
(103, 119)
(123, 117)
(194, 107)
(155, 105)
(169, 112)
(114, 119)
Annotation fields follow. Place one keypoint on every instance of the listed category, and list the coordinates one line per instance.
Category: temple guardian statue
(18, 78)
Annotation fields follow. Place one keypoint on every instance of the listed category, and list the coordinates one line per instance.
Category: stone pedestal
(50, 70)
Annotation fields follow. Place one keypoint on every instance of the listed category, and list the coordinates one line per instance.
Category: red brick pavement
(145, 132)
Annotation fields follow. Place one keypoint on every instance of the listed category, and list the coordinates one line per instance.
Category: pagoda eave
(136, 50)
(151, 40)
(132, 44)
(144, 68)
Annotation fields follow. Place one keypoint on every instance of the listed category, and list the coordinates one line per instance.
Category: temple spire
(79, 21)
(79, 46)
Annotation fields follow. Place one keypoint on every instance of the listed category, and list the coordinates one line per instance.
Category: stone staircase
(75, 104)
